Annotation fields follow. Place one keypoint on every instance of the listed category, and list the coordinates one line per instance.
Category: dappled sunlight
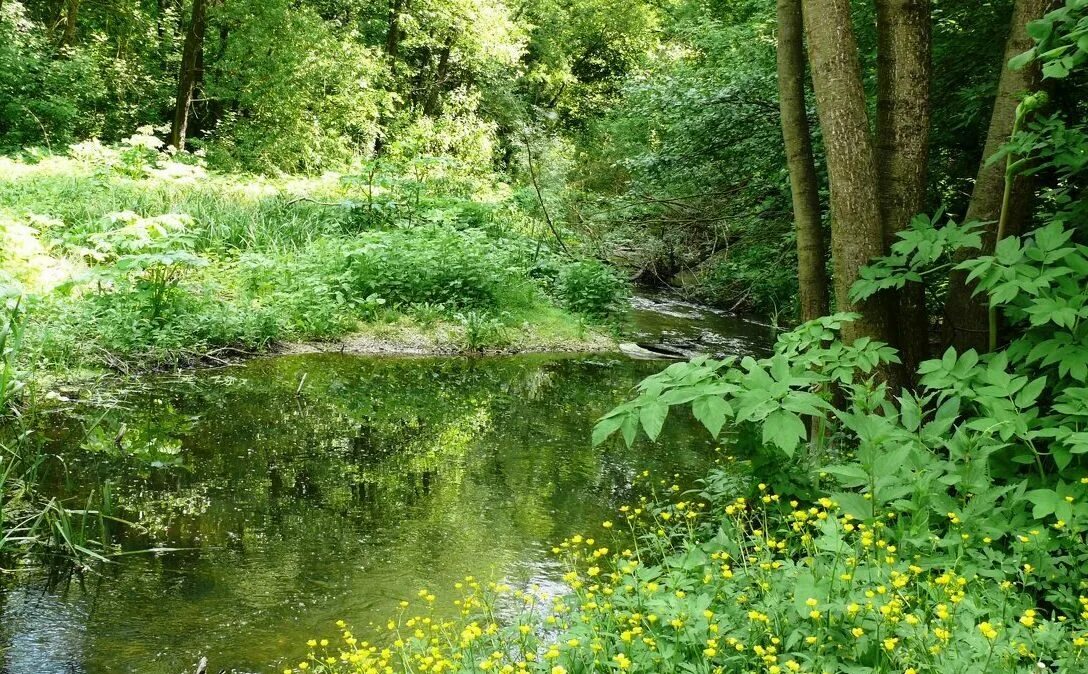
(23, 254)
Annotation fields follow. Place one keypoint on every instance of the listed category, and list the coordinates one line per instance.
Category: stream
(294, 491)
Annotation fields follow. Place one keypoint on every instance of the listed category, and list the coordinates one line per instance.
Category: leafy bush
(12, 326)
(457, 268)
(482, 330)
(591, 288)
(147, 257)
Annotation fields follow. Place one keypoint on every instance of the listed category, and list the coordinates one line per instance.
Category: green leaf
(849, 474)
(652, 415)
(1040, 29)
(1030, 393)
(910, 414)
(711, 412)
(606, 427)
(1056, 69)
(804, 588)
(784, 430)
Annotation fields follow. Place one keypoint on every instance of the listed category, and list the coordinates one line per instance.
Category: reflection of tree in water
(379, 477)
(363, 437)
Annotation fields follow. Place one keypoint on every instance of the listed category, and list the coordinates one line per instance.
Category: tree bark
(857, 235)
(442, 72)
(68, 38)
(191, 60)
(904, 46)
(811, 276)
(966, 315)
(392, 36)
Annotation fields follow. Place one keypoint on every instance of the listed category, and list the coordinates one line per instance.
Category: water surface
(307, 489)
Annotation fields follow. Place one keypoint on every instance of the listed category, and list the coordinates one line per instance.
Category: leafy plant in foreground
(149, 257)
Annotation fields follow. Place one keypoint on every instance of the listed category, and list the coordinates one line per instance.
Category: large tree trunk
(191, 60)
(966, 315)
(904, 45)
(811, 276)
(856, 231)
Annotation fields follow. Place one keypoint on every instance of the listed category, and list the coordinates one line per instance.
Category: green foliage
(148, 255)
(137, 259)
(980, 475)
(922, 249)
(482, 330)
(12, 326)
(760, 583)
(591, 288)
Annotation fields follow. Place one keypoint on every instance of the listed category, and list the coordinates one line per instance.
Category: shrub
(456, 268)
(591, 288)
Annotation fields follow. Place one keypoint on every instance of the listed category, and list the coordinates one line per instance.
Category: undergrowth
(132, 258)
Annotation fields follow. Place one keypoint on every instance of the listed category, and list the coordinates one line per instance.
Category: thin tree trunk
(811, 276)
(857, 235)
(191, 59)
(392, 37)
(904, 45)
(442, 71)
(68, 38)
(966, 316)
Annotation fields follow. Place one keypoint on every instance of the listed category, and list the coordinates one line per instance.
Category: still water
(299, 490)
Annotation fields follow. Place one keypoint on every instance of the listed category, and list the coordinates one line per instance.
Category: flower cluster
(756, 585)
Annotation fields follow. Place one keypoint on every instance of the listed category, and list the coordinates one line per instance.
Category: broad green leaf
(652, 415)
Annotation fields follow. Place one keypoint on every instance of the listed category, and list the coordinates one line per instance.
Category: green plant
(591, 288)
(12, 327)
(481, 330)
(150, 256)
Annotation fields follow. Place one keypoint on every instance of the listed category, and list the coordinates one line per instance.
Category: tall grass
(31, 524)
(236, 213)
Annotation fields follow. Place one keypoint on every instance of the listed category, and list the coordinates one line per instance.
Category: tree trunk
(191, 59)
(811, 276)
(392, 37)
(68, 38)
(904, 45)
(442, 72)
(966, 316)
(856, 232)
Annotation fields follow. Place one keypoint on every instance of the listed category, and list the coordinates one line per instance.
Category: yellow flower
(559, 669)
(987, 630)
(1028, 619)
(890, 643)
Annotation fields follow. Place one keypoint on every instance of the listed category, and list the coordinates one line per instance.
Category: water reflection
(311, 488)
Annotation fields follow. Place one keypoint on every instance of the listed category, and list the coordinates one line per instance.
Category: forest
(544, 336)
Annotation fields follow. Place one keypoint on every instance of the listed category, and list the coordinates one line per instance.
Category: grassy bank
(129, 259)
